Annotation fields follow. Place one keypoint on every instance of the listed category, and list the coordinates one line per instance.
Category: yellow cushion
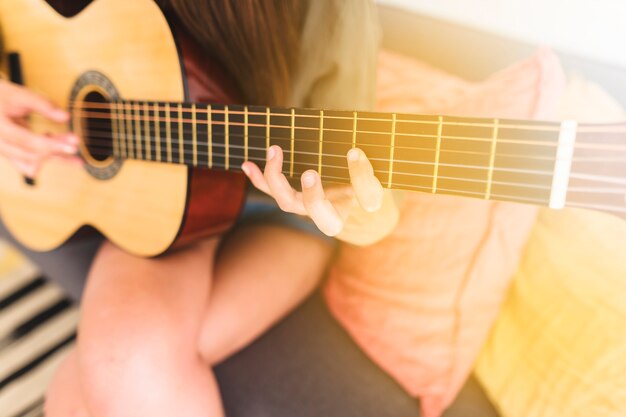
(559, 345)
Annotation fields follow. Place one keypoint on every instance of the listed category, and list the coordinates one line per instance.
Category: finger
(16, 153)
(367, 188)
(288, 199)
(39, 144)
(318, 207)
(69, 137)
(253, 172)
(70, 159)
(27, 169)
(28, 101)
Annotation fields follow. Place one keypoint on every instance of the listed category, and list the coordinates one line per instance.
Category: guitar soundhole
(94, 122)
(97, 126)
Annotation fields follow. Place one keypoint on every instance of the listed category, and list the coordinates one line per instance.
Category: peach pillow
(421, 301)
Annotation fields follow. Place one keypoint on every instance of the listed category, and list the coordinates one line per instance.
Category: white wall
(588, 28)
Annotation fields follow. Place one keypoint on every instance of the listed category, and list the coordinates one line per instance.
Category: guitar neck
(544, 163)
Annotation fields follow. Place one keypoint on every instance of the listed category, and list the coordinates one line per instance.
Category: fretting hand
(25, 149)
(361, 213)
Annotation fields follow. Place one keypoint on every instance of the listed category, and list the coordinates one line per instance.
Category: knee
(134, 344)
(127, 364)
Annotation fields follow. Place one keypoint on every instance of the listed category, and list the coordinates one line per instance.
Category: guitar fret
(392, 150)
(114, 134)
(194, 134)
(267, 128)
(210, 134)
(146, 112)
(437, 154)
(137, 118)
(354, 118)
(168, 132)
(121, 129)
(129, 130)
(292, 139)
(492, 159)
(157, 131)
(181, 143)
(226, 140)
(245, 133)
(321, 140)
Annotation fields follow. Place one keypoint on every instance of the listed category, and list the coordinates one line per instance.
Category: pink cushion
(421, 301)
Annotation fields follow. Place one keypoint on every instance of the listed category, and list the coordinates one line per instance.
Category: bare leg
(139, 323)
(262, 273)
(145, 321)
(64, 396)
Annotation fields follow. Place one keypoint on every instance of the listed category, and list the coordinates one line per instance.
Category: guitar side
(145, 208)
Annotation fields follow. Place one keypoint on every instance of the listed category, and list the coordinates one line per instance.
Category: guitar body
(144, 207)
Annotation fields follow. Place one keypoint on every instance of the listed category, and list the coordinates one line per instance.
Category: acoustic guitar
(163, 141)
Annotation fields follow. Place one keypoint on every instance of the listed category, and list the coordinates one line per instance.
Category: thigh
(129, 294)
(262, 272)
(138, 329)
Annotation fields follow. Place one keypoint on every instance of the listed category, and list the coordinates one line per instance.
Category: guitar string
(132, 119)
(460, 192)
(463, 138)
(173, 108)
(362, 145)
(106, 134)
(187, 154)
(383, 173)
(465, 179)
(584, 128)
(108, 145)
(298, 152)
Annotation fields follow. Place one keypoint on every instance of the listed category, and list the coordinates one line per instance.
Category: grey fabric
(68, 265)
(307, 366)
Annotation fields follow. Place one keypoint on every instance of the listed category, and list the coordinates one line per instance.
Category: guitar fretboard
(510, 160)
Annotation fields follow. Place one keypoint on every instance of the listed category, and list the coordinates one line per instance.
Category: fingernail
(29, 171)
(335, 227)
(73, 139)
(245, 169)
(373, 206)
(69, 149)
(61, 114)
(354, 154)
(77, 161)
(308, 179)
(271, 153)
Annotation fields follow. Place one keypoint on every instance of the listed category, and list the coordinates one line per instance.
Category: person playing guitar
(151, 328)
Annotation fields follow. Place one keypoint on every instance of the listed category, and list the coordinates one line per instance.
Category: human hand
(24, 148)
(361, 213)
